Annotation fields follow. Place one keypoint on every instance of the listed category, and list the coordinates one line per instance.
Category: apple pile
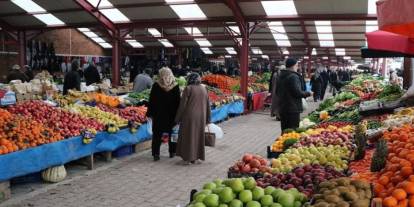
(251, 164)
(244, 192)
(66, 123)
(330, 156)
(105, 118)
(305, 178)
(131, 113)
(326, 138)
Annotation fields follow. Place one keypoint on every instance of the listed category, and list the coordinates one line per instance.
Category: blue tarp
(222, 112)
(38, 158)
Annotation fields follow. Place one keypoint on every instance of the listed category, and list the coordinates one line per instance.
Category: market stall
(340, 156)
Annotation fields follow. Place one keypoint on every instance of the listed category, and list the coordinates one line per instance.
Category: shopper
(290, 89)
(16, 74)
(29, 73)
(72, 79)
(162, 108)
(143, 81)
(92, 75)
(274, 110)
(193, 115)
(334, 81)
(316, 86)
(325, 79)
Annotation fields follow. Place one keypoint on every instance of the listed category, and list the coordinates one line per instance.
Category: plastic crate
(30, 178)
(271, 154)
(123, 151)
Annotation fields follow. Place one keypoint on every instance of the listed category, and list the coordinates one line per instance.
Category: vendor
(92, 75)
(143, 81)
(16, 74)
(72, 79)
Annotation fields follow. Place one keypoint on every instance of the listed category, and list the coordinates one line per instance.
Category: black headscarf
(193, 79)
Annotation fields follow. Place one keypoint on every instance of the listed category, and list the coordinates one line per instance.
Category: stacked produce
(131, 113)
(343, 192)
(330, 156)
(249, 165)
(222, 82)
(142, 96)
(326, 138)
(278, 145)
(239, 192)
(105, 99)
(305, 178)
(105, 118)
(66, 123)
(361, 169)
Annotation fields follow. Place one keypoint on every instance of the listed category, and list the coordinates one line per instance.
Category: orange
(399, 194)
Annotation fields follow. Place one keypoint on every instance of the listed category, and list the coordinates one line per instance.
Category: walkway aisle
(138, 181)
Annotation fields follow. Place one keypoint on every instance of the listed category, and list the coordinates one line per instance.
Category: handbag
(210, 138)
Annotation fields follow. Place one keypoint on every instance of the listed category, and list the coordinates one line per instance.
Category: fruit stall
(343, 154)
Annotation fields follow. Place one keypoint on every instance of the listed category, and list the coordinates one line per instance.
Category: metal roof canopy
(348, 21)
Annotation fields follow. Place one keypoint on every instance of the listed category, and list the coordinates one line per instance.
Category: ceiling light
(231, 51)
(188, 11)
(179, 1)
(49, 19)
(90, 34)
(235, 30)
(206, 51)
(347, 57)
(154, 32)
(114, 15)
(102, 3)
(105, 45)
(325, 35)
(227, 56)
(279, 34)
(134, 43)
(203, 42)
(325, 58)
(340, 51)
(165, 42)
(372, 6)
(265, 56)
(275, 8)
(194, 31)
(286, 52)
(98, 39)
(306, 57)
(29, 6)
(314, 52)
(84, 29)
(257, 51)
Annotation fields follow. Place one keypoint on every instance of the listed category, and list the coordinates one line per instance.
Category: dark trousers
(289, 121)
(157, 141)
(317, 95)
(323, 91)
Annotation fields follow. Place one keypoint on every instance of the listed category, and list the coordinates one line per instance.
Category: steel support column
(407, 73)
(244, 65)
(116, 59)
(22, 48)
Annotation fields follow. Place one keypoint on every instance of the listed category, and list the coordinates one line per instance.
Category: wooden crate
(143, 146)
(5, 192)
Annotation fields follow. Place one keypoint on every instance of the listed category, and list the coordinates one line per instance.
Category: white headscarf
(166, 79)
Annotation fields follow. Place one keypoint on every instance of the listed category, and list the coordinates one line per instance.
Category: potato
(343, 204)
(343, 181)
(350, 196)
(360, 184)
(332, 199)
(321, 204)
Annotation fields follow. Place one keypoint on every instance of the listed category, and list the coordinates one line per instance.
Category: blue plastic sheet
(36, 159)
(236, 108)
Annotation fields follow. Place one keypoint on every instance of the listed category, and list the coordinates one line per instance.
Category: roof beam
(312, 17)
(7, 28)
(305, 33)
(102, 19)
(238, 16)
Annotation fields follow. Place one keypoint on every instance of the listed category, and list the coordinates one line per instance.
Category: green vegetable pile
(144, 95)
(390, 93)
(373, 124)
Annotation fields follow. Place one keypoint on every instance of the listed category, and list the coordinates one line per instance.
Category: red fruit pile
(66, 123)
(338, 124)
(305, 178)
(326, 138)
(132, 113)
(251, 164)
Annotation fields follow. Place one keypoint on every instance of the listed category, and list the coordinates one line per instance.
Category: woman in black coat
(162, 108)
(72, 79)
(316, 84)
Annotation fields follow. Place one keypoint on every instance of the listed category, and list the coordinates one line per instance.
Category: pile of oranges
(395, 184)
(18, 133)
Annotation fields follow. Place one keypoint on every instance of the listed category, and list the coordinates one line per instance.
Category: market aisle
(138, 181)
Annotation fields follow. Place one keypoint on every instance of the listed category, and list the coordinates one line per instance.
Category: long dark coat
(72, 80)
(162, 108)
(275, 98)
(193, 115)
(316, 83)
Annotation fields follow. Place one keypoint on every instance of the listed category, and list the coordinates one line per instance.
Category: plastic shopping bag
(149, 126)
(174, 133)
(212, 128)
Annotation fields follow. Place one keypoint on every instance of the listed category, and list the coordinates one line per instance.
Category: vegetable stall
(338, 157)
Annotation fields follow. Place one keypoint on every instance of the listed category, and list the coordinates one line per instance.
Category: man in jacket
(92, 75)
(290, 93)
(72, 79)
(325, 79)
(16, 74)
(143, 81)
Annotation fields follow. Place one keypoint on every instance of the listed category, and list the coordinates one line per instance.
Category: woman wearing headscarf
(193, 115)
(162, 108)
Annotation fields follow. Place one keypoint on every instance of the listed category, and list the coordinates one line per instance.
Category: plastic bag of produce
(304, 104)
(149, 126)
(174, 134)
(212, 128)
